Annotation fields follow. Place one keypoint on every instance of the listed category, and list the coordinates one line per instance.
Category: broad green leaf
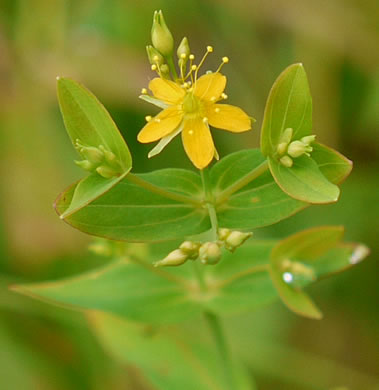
(260, 203)
(332, 164)
(307, 256)
(289, 105)
(304, 181)
(129, 212)
(121, 288)
(87, 120)
(167, 357)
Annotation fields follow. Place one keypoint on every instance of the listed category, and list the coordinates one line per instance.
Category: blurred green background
(101, 43)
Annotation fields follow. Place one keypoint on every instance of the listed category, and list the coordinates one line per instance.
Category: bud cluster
(288, 150)
(209, 252)
(98, 159)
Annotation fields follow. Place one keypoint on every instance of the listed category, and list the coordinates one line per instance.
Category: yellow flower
(189, 109)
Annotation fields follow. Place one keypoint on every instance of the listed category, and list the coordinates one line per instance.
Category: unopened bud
(154, 56)
(298, 148)
(85, 164)
(161, 36)
(223, 233)
(92, 154)
(287, 135)
(286, 161)
(174, 258)
(107, 172)
(110, 157)
(165, 71)
(308, 139)
(183, 51)
(236, 239)
(191, 249)
(210, 253)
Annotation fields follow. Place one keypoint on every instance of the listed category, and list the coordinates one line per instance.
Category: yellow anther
(153, 67)
(183, 56)
(144, 91)
(185, 85)
(193, 67)
(225, 60)
(224, 95)
(191, 57)
(209, 49)
(148, 118)
(156, 58)
(205, 119)
(217, 110)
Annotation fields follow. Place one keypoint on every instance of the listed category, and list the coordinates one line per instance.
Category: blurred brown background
(102, 44)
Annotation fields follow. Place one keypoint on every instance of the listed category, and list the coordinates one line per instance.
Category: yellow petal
(198, 142)
(161, 125)
(166, 90)
(210, 86)
(227, 117)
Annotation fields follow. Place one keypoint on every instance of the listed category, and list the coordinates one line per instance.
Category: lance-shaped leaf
(261, 202)
(307, 256)
(167, 357)
(131, 212)
(289, 106)
(88, 123)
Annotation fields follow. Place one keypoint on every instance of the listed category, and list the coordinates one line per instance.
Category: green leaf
(289, 105)
(304, 181)
(87, 120)
(260, 203)
(306, 256)
(167, 357)
(129, 212)
(121, 288)
(332, 164)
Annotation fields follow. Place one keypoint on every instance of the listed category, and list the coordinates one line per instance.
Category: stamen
(144, 91)
(183, 56)
(154, 67)
(191, 57)
(209, 50)
(156, 59)
(205, 119)
(224, 95)
(148, 118)
(225, 60)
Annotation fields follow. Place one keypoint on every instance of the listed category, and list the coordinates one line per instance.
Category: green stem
(199, 276)
(160, 191)
(238, 275)
(225, 356)
(259, 170)
(170, 63)
(209, 199)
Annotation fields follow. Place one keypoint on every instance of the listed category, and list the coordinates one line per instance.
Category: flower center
(191, 104)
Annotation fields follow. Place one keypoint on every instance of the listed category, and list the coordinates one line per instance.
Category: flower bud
(85, 164)
(298, 148)
(154, 56)
(106, 171)
(286, 161)
(183, 51)
(161, 36)
(285, 139)
(236, 239)
(210, 253)
(92, 154)
(308, 139)
(223, 233)
(191, 249)
(174, 258)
